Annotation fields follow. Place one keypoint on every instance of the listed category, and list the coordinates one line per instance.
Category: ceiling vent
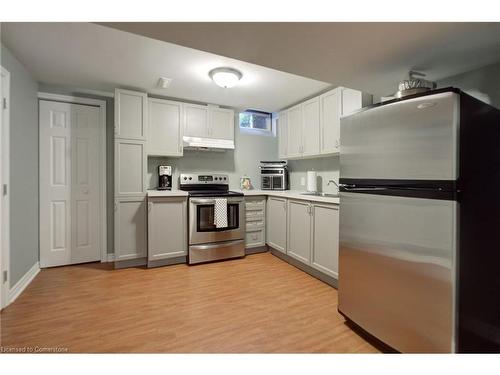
(164, 82)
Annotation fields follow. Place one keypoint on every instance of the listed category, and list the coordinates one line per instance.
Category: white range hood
(198, 143)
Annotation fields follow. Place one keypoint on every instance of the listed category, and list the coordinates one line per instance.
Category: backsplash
(327, 169)
(244, 160)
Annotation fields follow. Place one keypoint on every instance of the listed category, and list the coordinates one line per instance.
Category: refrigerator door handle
(345, 187)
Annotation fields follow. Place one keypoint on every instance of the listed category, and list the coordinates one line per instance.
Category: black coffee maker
(164, 177)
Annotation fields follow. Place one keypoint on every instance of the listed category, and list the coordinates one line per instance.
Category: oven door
(201, 221)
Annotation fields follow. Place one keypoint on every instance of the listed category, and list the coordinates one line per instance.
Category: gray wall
(481, 83)
(110, 160)
(244, 160)
(327, 168)
(23, 167)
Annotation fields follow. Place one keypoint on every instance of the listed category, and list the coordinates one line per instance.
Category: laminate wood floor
(258, 304)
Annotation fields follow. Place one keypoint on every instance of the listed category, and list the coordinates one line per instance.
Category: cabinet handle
(116, 207)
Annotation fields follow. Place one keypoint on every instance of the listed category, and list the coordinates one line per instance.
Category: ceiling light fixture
(225, 77)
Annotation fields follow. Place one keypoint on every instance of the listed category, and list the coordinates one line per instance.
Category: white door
(294, 131)
(195, 120)
(165, 131)
(310, 127)
(69, 186)
(221, 123)
(330, 122)
(4, 181)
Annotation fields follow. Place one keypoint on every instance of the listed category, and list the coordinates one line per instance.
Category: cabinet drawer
(255, 238)
(257, 224)
(254, 215)
(255, 205)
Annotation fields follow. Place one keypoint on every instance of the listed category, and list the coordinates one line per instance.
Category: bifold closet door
(69, 183)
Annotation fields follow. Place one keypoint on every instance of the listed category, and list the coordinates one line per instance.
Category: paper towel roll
(312, 181)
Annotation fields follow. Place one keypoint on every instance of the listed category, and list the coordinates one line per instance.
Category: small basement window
(256, 121)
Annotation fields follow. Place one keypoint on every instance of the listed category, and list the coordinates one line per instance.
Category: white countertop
(293, 194)
(167, 193)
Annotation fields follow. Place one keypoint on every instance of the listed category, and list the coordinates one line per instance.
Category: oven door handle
(212, 201)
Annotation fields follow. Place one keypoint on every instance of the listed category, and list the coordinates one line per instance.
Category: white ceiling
(90, 56)
(371, 57)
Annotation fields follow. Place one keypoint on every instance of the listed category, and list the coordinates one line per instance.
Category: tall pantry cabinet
(131, 116)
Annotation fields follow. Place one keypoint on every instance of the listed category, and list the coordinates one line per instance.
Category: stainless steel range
(216, 218)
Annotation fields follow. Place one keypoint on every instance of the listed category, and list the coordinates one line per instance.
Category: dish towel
(220, 214)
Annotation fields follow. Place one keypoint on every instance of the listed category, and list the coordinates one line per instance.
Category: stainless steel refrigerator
(419, 258)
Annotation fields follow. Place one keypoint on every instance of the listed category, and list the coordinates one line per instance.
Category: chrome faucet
(329, 181)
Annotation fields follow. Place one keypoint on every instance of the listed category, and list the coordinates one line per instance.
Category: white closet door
(69, 197)
(85, 184)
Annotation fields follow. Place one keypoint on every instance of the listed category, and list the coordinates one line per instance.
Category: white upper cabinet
(221, 123)
(165, 128)
(130, 114)
(351, 101)
(331, 105)
(195, 120)
(311, 127)
(203, 121)
(130, 168)
(282, 135)
(294, 132)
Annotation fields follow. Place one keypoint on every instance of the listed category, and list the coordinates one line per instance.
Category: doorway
(72, 181)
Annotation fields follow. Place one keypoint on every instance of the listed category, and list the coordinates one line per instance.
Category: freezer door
(396, 269)
(415, 139)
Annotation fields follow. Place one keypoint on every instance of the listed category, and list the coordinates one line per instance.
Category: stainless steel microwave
(274, 178)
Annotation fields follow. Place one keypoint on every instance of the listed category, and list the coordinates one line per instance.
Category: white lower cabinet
(311, 234)
(130, 228)
(325, 239)
(299, 230)
(167, 228)
(276, 223)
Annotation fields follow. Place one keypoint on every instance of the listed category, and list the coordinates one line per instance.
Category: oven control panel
(196, 179)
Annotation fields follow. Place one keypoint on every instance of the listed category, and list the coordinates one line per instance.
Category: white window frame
(256, 131)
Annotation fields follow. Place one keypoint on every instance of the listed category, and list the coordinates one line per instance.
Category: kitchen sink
(326, 195)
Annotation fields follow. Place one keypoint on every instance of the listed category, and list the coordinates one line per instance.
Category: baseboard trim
(137, 262)
(23, 283)
(110, 257)
(255, 250)
(167, 262)
(306, 268)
